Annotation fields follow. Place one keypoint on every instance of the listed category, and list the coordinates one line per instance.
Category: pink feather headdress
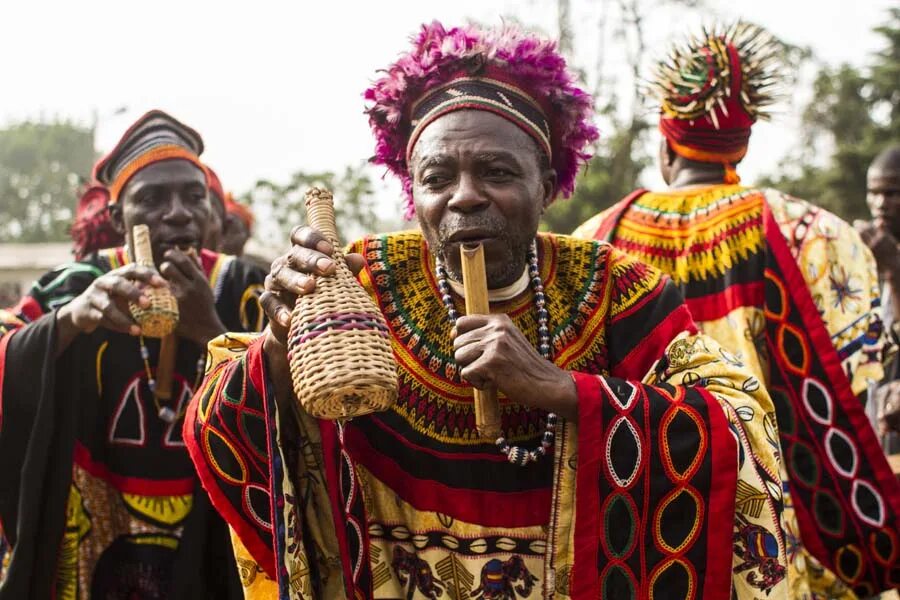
(439, 54)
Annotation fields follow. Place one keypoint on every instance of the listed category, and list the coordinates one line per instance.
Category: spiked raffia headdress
(713, 88)
(516, 75)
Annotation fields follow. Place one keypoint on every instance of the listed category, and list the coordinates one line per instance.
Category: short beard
(500, 273)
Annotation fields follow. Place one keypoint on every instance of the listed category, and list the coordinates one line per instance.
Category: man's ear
(115, 217)
(548, 182)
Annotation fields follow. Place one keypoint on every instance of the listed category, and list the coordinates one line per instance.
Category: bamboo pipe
(168, 352)
(165, 366)
(487, 410)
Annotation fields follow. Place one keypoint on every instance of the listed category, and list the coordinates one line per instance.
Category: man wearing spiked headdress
(789, 288)
(616, 472)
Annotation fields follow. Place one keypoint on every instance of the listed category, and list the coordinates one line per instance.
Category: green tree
(611, 174)
(622, 152)
(41, 167)
(885, 73)
(852, 116)
(282, 204)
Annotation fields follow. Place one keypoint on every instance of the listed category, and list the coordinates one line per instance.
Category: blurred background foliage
(853, 114)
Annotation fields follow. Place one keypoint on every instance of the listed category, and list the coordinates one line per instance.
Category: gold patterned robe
(638, 497)
(792, 291)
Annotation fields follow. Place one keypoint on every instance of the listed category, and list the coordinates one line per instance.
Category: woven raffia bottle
(161, 317)
(340, 354)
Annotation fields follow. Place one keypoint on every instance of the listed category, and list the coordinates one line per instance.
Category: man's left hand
(491, 351)
(198, 320)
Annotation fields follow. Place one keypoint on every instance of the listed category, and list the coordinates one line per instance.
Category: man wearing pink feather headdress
(626, 436)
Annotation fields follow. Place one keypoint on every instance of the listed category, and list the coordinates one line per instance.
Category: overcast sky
(276, 86)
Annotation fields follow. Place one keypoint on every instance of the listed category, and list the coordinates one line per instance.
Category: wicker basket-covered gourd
(341, 361)
(161, 317)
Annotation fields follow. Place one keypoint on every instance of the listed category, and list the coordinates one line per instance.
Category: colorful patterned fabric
(80, 438)
(411, 503)
(792, 291)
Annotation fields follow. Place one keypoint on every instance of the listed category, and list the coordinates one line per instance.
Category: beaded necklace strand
(164, 412)
(516, 454)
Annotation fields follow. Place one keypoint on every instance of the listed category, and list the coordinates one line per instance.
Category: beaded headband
(481, 93)
(154, 155)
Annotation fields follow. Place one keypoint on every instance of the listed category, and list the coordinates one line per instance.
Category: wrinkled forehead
(472, 132)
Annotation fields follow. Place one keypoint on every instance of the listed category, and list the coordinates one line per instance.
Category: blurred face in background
(883, 196)
(235, 234)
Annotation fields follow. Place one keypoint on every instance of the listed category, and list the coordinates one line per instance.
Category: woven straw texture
(341, 361)
(160, 318)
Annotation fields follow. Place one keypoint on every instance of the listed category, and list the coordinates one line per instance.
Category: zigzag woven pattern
(694, 236)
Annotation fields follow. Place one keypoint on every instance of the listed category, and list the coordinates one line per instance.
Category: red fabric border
(331, 449)
(722, 497)
(870, 450)
(519, 509)
(585, 574)
(255, 363)
(29, 307)
(131, 485)
(263, 555)
(715, 306)
(635, 364)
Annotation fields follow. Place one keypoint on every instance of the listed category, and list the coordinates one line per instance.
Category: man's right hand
(105, 303)
(294, 274)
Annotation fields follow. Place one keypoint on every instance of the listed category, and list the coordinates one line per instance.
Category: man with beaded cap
(789, 288)
(99, 496)
(629, 491)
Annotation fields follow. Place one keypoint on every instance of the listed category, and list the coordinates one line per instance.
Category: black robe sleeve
(38, 422)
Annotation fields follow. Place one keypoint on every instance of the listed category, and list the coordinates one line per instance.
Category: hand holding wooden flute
(487, 410)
